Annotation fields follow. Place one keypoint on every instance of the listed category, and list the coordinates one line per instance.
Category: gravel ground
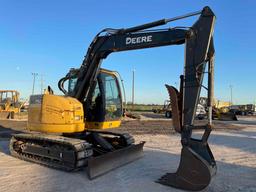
(233, 145)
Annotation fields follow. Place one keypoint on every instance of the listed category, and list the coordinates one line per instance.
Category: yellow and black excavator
(93, 103)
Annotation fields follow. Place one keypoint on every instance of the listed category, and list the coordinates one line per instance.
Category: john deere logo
(136, 40)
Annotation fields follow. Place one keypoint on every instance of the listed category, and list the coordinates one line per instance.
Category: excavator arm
(197, 164)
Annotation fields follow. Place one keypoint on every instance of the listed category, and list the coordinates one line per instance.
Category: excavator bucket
(196, 168)
(197, 164)
(104, 163)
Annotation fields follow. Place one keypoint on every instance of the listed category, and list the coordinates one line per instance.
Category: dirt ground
(233, 145)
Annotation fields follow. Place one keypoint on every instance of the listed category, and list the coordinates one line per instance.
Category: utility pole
(42, 83)
(133, 76)
(231, 94)
(34, 79)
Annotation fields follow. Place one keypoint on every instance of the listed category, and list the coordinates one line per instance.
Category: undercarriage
(98, 151)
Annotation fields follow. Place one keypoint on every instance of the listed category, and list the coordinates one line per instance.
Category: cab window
(113, 105)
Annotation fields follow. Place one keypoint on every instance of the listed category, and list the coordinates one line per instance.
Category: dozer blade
(195, 169)
(104, 163)
(227, 117)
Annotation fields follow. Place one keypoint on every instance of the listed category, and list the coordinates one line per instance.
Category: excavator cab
(103, 106)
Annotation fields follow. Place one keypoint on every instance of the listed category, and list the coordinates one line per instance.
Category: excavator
(69, 132)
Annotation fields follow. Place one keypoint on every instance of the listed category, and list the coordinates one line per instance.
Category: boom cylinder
(157, 23)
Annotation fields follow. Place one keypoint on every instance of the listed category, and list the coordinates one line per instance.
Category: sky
(50, 37)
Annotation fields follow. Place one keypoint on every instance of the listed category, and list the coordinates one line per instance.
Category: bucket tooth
(194, 172)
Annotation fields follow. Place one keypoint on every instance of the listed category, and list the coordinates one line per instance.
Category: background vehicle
(200, 112)
(220, 111)
(166, 109)
(9, 103)
(248, 109)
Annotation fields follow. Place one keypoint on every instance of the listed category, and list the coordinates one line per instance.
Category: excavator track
(71, 154)
(53, 151)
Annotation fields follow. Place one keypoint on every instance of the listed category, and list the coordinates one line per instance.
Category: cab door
(104, 103)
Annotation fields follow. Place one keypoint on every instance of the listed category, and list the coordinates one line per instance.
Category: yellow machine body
(55, 114)
(62, 114)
